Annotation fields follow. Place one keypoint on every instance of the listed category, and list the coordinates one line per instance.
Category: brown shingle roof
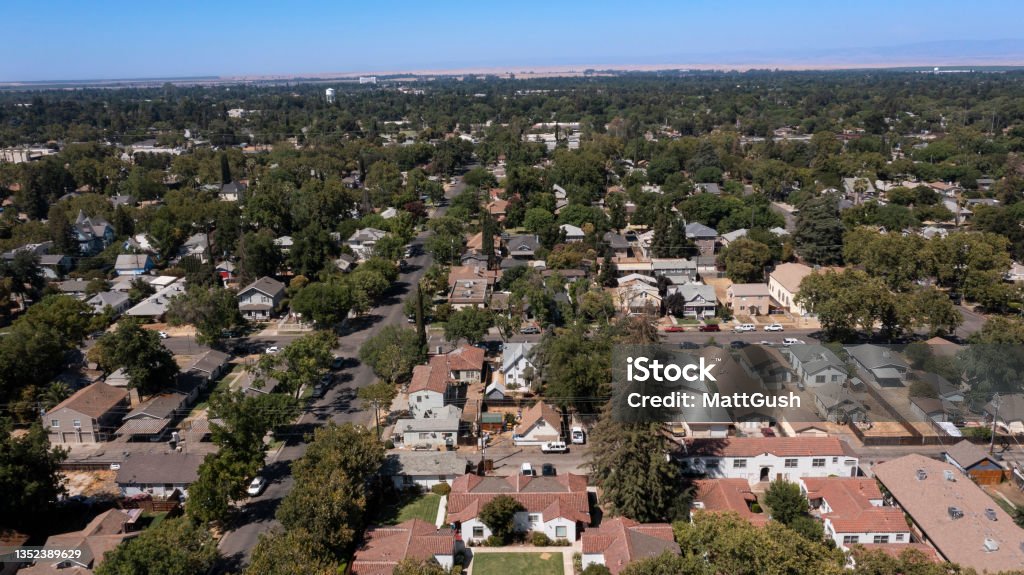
(959, 540)
(385, 547)
(966, 454)
(93, 400)
(465, 358)
(622, 541)
(535, 413)
(431, 377)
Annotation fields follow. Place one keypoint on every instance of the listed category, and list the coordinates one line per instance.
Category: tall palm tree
(55, 393)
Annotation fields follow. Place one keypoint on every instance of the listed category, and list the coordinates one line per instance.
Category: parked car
(675, 328)
(257, 486)
(162, 334)
(272, 349)
(709, 327)
(555, 447)
(527, 469)
(774, 327)
(577, 435)
(530, 330)
(744, 327)
(338, 362)
(319, 391)
(547, 470)
(115, 466)
(737, 344)
(326, 379)
(688, 345)
(792, 341)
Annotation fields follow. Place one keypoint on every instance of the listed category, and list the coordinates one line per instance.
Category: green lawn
(402, 509)
(532, 563)
(221, 384)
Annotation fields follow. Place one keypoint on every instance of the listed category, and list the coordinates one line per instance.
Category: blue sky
(63, 39)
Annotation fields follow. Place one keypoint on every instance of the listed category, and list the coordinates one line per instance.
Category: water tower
(330, 95)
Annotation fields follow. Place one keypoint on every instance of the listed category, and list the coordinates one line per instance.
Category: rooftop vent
(991, 514)
(954, 512)
(949, 475)
(991, 545)
(922, 475)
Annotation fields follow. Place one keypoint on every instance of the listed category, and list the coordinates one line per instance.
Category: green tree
(54, 393)
(819, 231)
(30, 475)
(289, 553)
(575, 367)
(379, 395)
(785, 501)
(392, 353)
(257, 256)
(174, 547)
(150, 367)
(470, 323)
(537, 220)
(61, 234)
(212, 310)
(412, 566)
(499, 515)
(300, 363)
(326, 303)
(664, 564)
(745, 260)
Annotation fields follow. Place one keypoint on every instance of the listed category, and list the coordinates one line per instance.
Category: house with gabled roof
(883, 364)
(429, 388)
(854, 512)
(521, 247)
(757, 459)
(88, 416)
(153, 417)
(160, 474)
(133, 264)
(260, 299)
(118, 302)
(363, 241)
(724, 495)
(423, 468)
(517, 365)
(699, 300)
(384, 548)
(975, 462)
(815, 365)
(558, 506)
(93, 234)
(539, 424)
(573, 234)
(101, 535)
(621, 541)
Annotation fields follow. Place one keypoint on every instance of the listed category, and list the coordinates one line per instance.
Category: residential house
(93, 234)
(497, 209)
(729, 237)
(260, 299)
(638, 298)
(538, 425)
(699, 300)
(101, 535)
(709, 188)
(703, 236)
(1015, 274)
(153, 418)
(1008, 412)
(133, 264)
(618, 244)
(521, 247)
(727, 496)
(209, 366)
(573, 234)
(620, 541)
(766, 364)
(748, 299)
(557, 506)
(976, 463)
(469, 293)
(155, 306)
(784, 285)
(758, 459)
(345, 263)
(422, 468)
(853, 511)
(160, 474)
(88, 416)
(678, 270)
(884, 365)
(118, 302)
(429, 388)
(517, 366)
(232, 192)
(802, 422)
(55, 266)
(439, 431)
(384, 548)
(363, 241)
(466, 364)
(197, 246)
(956, 517)
(284, 243)
(74, 288)
(932, 408)
(835, 403)
(815, 365)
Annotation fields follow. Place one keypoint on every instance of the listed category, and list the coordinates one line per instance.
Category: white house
(260, 299)
(815, 365)
(538, 425)
(428, 389)
(759, 459)
(439, 431)
(118, 302)
(699, 299)
(620, 541)
(159, 474)
(423, 468)
(557, 506)
(573, 234)
(363, 241)
(853, 511)
(515, 361)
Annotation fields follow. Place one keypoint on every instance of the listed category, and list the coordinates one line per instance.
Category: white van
(527, 469)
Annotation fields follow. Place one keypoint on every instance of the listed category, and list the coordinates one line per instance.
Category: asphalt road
(339, 404)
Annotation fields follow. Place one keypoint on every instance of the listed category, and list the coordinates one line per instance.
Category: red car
(675, 328)
(709, 327)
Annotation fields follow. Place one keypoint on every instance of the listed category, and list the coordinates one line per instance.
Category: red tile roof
(623, 541)
(465, 358)
(385, 547)
(561, 496)
(537, 412)
(851, 510)
(778, 446)
(732, 495)
(431, 377)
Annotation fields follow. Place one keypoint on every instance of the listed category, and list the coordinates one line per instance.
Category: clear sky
(97, 39)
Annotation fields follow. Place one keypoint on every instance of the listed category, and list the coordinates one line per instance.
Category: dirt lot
(91, 483)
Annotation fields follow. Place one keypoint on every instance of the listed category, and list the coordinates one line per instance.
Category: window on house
(835, 378)
(901, 536)
(712, 464)
(407, 480)
(478, 532)
(739, 463)
(835, 460)
(168, 487)
(561, 532)
(76, 423)
(819, 379)
(791, 463)
(534, 518)
(848, 539)
(818, 462)
(54, 423)
(881, 539)
(419, 398)
(424, 436)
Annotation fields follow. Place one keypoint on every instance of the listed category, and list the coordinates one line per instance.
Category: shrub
(494, 541)
(595, 569)
(577, 562)
(755, 507)
(561, 542)
(539, 539)
(442, 489)
(389, 444)
(460, 558)
(456, 569)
